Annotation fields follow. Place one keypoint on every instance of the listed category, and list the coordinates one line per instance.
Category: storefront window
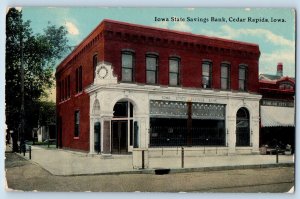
(174, 132)
(172, 125)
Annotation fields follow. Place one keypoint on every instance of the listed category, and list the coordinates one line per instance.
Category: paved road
(27, 176)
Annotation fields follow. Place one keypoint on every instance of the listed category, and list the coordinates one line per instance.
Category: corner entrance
(122, 128)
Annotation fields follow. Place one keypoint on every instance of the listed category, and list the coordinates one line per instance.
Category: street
(27, 176)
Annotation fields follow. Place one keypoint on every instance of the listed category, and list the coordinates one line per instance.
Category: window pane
(77, 117)
(151, 63)
(224, 82)
(173, 79)
(173, 65)
(127, 60)
(241, 85)
(205, 69)
(95, 60)
(242, 73)
(126, 74)
(151, 77)
(224, 71)
(206, 82)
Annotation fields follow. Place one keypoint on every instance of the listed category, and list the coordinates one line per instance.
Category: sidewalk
(64, 162)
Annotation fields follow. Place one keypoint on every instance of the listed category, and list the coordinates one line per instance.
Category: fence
(190, 157)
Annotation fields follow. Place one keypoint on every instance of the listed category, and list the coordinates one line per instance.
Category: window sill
(76, 138)
(61, 102)
(78, 94)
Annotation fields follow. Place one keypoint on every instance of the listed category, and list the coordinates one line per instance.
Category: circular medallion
(102, 72)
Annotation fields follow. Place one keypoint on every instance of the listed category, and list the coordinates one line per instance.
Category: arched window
(242, 127)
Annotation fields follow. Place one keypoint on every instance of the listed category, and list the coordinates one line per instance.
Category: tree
(37, 53)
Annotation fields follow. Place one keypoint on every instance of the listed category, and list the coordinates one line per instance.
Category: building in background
(130, 87)
(277, 108)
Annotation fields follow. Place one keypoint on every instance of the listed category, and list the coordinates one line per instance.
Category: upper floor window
(64, 88)
(127, 66)
(243, 77)
(151, 69)
(206, 74)
(174, 71)
(79, 79)
(95, 61)
(225, 76)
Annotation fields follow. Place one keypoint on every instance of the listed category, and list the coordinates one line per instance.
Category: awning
(273, 116)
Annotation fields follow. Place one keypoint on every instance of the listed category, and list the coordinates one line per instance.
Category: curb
(188, 170)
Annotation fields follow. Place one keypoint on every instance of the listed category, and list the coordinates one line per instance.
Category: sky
(275, 39)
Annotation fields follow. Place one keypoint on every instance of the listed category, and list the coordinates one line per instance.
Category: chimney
(279, 69)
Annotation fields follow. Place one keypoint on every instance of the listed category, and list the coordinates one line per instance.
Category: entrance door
(242, 128)
(119, 136)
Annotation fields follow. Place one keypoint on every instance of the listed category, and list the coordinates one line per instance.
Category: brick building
(129, 87)
(277, 108)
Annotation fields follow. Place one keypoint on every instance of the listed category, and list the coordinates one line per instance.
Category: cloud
(190, 9)
(72, 29)
(161, 24)
(284, 52)
(17, 8)
(182, 26)
(228, 32)
(268, 61)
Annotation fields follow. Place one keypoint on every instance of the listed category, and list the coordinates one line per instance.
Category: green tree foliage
(40, 53)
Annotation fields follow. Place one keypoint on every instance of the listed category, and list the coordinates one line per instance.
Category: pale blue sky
(276, 40)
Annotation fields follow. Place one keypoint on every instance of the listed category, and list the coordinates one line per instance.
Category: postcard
(119, 99)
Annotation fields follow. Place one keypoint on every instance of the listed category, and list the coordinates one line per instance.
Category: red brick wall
(66, 109)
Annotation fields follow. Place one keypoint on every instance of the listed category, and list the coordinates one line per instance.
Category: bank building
(128, 88)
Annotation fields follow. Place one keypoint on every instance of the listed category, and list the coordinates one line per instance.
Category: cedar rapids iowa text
(220, 19)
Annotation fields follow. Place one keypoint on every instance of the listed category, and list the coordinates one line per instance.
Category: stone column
(231, 139)
(92, 151)
(106, 137)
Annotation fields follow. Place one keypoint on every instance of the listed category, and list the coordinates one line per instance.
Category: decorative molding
(104, 74)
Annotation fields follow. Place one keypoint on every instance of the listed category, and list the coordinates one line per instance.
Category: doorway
(122, 128)
(119, 136)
